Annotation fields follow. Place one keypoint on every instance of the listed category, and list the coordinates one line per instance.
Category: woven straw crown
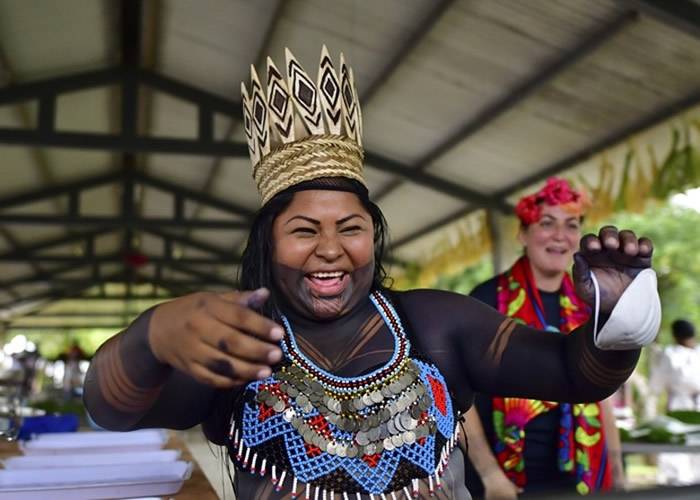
(299, 130)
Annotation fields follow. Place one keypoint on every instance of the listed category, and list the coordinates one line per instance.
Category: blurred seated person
(677, 374)
(72, 376)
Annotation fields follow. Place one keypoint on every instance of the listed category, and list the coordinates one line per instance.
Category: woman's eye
(303, 230)
(352, 229)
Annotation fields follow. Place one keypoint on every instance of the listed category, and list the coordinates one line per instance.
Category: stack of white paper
(95, 442)
(99, 481)
(89, 459)
(94, 465)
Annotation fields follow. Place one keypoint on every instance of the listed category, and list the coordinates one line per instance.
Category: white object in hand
(635, 320)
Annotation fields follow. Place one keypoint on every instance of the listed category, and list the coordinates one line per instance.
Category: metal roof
(124, 168)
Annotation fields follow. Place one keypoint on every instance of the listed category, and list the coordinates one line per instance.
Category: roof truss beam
(45, 135)
(656, 117)
(115, 258)
(412, 41)
(32, 253)
(522, 91)
(193, 284)
(56, 294)
(120, 221)
(434, 182)
(129, 78)
(66, 328)
(79, 314)
(129, 178)
(682, 15)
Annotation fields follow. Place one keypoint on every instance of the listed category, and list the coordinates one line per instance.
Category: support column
(505, 248)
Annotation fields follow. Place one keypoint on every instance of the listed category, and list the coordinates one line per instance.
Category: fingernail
(264, 373)
(276, 333)
(255, 301)
(274, 355)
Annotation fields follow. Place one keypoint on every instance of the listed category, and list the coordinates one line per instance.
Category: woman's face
(550, 243)
(323, 252)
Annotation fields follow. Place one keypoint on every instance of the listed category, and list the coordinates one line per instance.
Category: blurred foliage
(51, 345)
(680, 169)
(55, 406)
(464, 281)
(675, 232)
(461, 281)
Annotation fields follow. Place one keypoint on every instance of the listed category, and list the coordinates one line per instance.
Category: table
(655, 448)
(197, 487)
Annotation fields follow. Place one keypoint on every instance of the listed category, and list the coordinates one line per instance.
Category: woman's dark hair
(682, 329)
(256, 270)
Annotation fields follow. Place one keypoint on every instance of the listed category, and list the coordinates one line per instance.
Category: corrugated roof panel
(644, 68)
(366, 32)
(183, 170)
(157, 203)
(474, 55)
(234, 182)
(87, 111)
(19, 171)
(224, 240)
(44, 39)
(10, 270)
(512, 147)
(212, 43)
(405, 215)
(108, 243)
(172, 117)
(101, 201)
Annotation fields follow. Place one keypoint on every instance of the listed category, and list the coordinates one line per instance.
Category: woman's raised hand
(217, 338)
(615, 257)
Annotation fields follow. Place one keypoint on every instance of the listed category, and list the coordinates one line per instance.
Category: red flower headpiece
(555, 192)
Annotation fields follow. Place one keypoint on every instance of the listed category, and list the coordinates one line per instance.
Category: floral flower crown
(556, 192)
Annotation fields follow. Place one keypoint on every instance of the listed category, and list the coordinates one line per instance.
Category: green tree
(675, 232)
(464, 281)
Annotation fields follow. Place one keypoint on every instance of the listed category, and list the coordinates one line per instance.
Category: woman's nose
(329, 247)
(559, 232)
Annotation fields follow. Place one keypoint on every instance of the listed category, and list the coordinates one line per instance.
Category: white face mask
(636, 318)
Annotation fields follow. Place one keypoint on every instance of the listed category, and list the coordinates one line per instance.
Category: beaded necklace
(347, 434)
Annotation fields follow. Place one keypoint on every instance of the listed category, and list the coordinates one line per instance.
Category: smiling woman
(560, 448)
(316, 377)
(302, 231)
(323, 258)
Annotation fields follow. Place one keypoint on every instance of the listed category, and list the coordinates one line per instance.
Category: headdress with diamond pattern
(299, 129)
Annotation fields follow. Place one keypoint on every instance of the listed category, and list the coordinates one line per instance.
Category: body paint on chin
(295, 291)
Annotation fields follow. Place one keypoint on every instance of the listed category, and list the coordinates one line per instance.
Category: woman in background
(522, 445)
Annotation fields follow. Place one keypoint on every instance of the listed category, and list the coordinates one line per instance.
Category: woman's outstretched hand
(217, 338)
(615, 257)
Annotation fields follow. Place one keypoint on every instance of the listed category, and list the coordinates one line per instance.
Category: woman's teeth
(327, 284)
(327, 275)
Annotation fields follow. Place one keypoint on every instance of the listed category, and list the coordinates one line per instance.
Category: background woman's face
(550, 242)
(323, 257)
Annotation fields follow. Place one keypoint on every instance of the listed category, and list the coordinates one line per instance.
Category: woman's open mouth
(327, 283)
